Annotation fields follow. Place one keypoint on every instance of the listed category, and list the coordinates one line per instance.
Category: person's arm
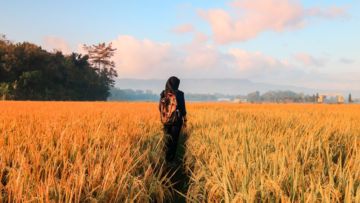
(184, 110)
(161, 96)
(185, 121)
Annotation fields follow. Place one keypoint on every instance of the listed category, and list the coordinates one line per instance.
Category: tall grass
(71, 152)
(112, 152)
(287, 153)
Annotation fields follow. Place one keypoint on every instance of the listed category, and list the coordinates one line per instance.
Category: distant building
(331, 98)
(224, 99)
(240, 100)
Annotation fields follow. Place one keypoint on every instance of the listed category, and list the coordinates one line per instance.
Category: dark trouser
(171, 140)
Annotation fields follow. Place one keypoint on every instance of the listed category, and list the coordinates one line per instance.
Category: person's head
(172, 83)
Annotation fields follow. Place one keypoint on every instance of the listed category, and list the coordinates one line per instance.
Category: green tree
(317, 98)
(254, 96)
(100, 57)
(350, 99)
(27, 72)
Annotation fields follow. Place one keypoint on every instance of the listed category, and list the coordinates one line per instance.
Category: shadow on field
(179, 177)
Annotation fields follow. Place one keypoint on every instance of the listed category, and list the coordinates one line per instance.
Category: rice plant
(113, 152)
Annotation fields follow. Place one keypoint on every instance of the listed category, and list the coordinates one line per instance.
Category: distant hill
(223, 86)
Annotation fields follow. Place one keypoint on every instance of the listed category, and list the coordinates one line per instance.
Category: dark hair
(172, 84)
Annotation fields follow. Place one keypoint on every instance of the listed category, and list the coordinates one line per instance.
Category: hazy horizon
(228, 86)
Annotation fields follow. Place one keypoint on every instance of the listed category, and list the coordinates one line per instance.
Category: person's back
(172, 131)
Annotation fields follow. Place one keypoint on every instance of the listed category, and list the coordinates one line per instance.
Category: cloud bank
(246, 19)
(143, 58)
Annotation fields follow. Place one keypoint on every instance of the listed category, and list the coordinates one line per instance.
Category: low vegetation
(68, 151)
(297, 153)
(80, 152)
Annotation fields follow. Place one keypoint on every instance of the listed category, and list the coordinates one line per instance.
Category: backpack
(169, 112)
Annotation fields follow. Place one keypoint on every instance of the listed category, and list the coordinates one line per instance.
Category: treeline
(132, 95)
(255, 97)
(117, 94)
(280, 97)
(28, 72)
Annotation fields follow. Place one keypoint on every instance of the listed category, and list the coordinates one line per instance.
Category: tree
(317, 98)
(4, 39)
(350, 99)
(253, 96)
(28, 72)
(312, 98)
(4, 91)
(100, 57)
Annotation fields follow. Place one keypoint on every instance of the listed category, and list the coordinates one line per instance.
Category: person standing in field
(173, 115)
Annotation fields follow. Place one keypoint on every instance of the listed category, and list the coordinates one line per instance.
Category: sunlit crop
(269, 152)
(80, 152)
(112, 152)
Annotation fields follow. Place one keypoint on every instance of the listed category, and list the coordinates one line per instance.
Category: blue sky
(308, 43)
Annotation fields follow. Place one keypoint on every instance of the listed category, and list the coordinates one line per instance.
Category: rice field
(113, 152)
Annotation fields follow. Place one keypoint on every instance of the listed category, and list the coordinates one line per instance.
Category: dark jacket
(172, 85)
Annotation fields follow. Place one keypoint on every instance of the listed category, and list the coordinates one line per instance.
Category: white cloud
(256, 60)
(52, 43)
(307, 60)
(142, 58)
(148, 59)
(249, 18)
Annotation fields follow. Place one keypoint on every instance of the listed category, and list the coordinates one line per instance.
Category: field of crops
(113, 152)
